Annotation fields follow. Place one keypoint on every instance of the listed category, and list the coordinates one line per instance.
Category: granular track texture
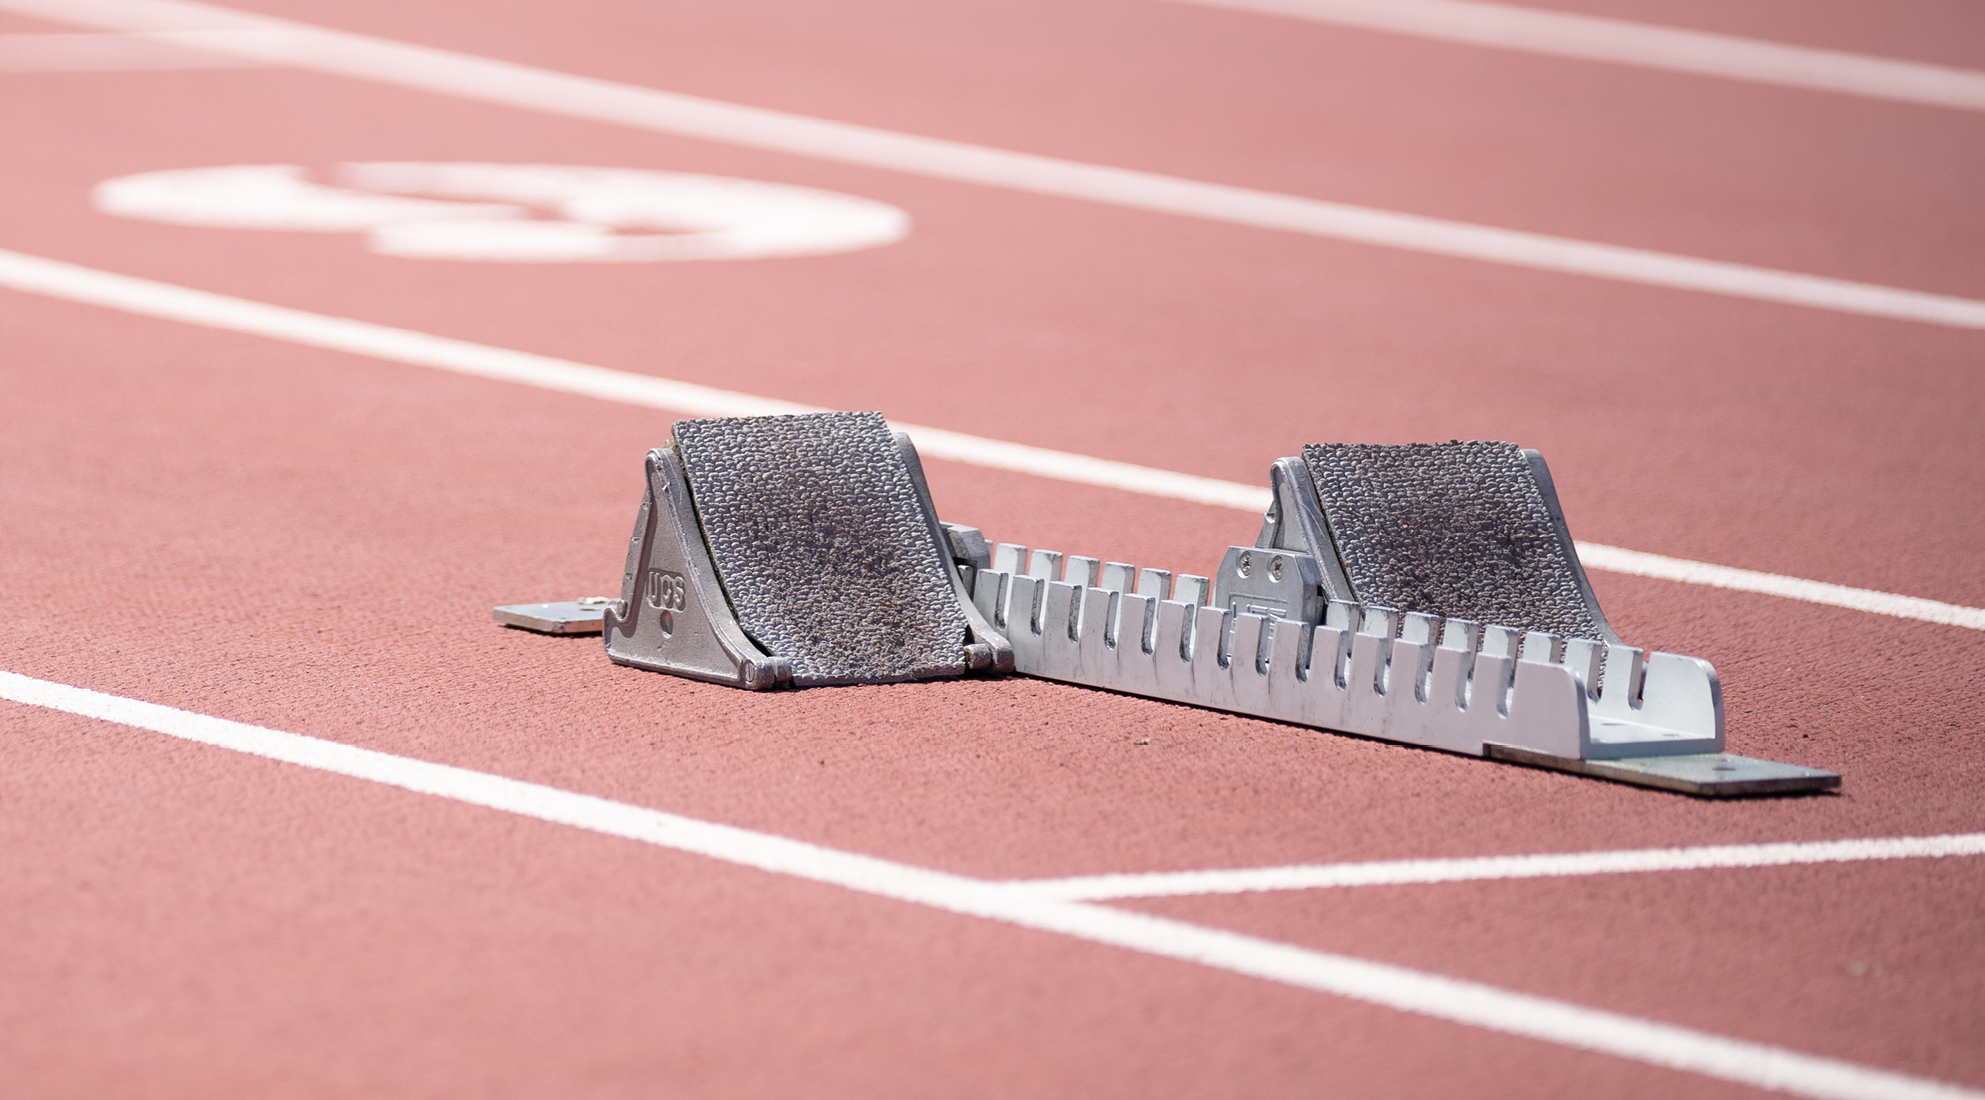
(1456, 529)
(818, 538)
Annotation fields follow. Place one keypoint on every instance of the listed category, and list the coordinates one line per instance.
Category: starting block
(1427, 594)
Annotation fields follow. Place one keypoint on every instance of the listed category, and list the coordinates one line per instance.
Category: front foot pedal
(798, 550)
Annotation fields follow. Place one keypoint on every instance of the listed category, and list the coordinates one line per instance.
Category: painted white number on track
(516, 213)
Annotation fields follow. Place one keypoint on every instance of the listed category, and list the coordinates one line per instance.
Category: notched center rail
(1487, 690)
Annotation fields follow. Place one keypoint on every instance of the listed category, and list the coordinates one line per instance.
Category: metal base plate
(581, 616)
(1707, 775)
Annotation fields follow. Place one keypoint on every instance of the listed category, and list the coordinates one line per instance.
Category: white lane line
(280, 41)
(1406, 872)
(1647, 45)
(106, 53)
(1613, 559)
(74, 283)
(165, 301)
(1461, 1002)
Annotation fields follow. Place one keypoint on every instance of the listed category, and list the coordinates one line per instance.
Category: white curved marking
(486, 211)
(320, 49)
(270, 196)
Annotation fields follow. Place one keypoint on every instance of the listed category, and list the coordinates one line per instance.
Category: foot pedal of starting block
(1462, 530)
(797, 550)
(1427, 594)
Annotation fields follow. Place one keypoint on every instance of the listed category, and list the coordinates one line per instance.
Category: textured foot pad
(1462, 530)
(820, 542)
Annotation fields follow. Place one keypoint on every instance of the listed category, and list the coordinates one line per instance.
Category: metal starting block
(795, 550)
(1428, 594)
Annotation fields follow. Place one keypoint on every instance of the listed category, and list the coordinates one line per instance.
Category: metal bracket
(1295, 523)
(1541, 470)
(1271, 584)
(580, 616)
(672, 615)
(986, 650)
(1717, 775)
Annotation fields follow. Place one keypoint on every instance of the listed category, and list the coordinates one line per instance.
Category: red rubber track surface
(311, 541)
